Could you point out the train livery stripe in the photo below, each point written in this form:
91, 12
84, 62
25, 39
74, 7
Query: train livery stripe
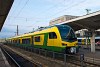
45, 39
51, 48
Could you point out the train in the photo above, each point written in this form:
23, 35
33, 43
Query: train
57, 38
82, 40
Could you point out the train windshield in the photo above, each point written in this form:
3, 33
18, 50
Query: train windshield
67, 34
71, 36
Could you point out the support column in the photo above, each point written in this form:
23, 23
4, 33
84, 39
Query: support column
86, 41
93, 42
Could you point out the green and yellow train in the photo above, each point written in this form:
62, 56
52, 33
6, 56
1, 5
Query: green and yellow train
59, 38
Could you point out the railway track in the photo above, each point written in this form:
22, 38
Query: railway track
16, 60
10, 59
83, 63
72, 59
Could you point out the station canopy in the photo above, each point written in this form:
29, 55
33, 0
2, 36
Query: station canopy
90, 21
5, 6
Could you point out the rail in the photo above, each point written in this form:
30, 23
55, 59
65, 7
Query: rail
18, 60
78, 59
11, 57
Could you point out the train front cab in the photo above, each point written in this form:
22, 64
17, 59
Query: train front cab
69, 39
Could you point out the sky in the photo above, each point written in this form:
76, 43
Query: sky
31, 14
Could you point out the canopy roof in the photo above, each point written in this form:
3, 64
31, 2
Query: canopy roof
5, 6
90, 21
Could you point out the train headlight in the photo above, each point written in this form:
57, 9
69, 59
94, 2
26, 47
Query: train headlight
73, 50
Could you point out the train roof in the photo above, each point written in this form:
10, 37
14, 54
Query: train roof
47, 29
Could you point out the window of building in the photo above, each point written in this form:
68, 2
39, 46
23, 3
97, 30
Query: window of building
52, 35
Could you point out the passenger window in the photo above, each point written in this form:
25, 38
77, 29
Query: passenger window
19, 41
26, 41
52, 35
37, 39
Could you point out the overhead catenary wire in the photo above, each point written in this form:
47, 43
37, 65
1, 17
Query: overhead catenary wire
40, 12
72, 6
32, 18
57, 13
56, 6
68, 7
16, 7
52, 15
22, 8
24, 18
50, 8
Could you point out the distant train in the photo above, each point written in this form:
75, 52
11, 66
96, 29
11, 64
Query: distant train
59, 38
82, 41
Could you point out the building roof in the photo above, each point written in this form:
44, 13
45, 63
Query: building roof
90, 21
5, 6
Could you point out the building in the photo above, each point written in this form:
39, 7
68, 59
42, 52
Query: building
61, 19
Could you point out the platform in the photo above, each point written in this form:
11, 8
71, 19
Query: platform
97, 47
88, 55
3, 61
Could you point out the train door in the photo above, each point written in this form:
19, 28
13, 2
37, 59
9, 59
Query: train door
52, 39
45, 39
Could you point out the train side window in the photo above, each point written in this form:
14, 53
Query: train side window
26, 41
18, 41
37, 39
52, 35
